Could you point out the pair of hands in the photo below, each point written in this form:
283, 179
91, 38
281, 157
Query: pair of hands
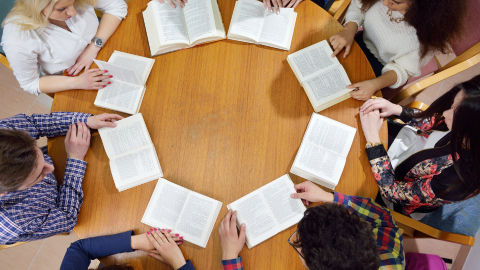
372, 114
277, 4
78, 136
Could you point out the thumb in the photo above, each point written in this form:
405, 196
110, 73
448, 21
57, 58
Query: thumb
242, 233
347, 51
298, 195
352, 86
111, 124
156, 256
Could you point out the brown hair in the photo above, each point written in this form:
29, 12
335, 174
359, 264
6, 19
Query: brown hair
18, 158
117, 267
438, 22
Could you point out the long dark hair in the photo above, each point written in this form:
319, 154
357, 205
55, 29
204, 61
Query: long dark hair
465, 132
438, 22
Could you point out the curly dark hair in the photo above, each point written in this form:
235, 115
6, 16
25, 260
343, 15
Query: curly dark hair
117, 267
330, 237
438, 22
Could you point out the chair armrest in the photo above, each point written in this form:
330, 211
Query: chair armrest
340, 14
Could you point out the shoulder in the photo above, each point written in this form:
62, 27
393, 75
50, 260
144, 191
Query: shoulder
13, 34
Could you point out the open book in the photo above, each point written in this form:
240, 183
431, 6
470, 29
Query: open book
253, 23
323, 152
130, 73
183, 211
133, 159
268, 210
323, 78
170, 29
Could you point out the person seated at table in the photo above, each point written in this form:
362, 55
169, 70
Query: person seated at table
399, 37
59, 35
277, 4
32, 205
431, 159
345, 232
160, 244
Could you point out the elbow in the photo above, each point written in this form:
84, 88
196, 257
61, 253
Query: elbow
402, 75
32, 87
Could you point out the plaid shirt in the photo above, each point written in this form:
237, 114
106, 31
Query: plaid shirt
388, 235
44, 209
234, 264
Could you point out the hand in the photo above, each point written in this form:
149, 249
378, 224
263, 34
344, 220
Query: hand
84, 60
92, 79
371, 125
309, 192
141, 242
77, 141
167, 250
344, 39
231, 243
181, 2
363, 90
292, 4
385, 107
103, 120
276, 3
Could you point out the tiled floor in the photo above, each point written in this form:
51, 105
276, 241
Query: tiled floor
48, 253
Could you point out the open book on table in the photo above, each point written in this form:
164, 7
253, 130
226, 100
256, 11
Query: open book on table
170, 29
253, 23
323, 78
268, 210
133, 159
183, 211
323, 152
130, 73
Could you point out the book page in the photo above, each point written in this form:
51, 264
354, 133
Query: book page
200, 19
130, 133
165, 206
287, 211
120, 73
142, 65
315, 58
170, 22
120, 96
195, 222
327, 85
247, 19
276, 28
135, 166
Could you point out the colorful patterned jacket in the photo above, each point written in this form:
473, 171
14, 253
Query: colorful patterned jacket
418, 183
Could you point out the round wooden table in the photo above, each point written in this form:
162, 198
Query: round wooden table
226, 118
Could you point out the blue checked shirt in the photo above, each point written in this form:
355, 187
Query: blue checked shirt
44, 209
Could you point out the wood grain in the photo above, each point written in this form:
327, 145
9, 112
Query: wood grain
226, 118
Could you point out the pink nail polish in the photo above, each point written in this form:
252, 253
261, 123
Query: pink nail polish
148, 232
181, 242
155, 229
109, 82
176, 234
169, 230
163, 230
181, 237
149, 255
111, 76
151, 229
106, 71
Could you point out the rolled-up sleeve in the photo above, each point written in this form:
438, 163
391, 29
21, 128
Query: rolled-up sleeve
21, 49
354, 13
407, 66
117, 8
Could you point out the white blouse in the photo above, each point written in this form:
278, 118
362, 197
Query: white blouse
395, 45
54, 48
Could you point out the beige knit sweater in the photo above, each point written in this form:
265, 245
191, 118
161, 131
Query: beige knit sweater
395, 45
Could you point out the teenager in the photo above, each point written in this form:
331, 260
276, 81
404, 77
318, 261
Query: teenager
345, 232
32, 204
399, 37
58, 36
432, 159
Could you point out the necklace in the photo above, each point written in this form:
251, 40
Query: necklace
397, 20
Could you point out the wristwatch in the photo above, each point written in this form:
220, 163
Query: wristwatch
369, 144
98, 42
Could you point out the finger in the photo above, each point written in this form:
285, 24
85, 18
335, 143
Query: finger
353, 86
156, 256
69, 133
296, 4
159, 234
384, 114
337, 50
298, 195
371, 108
275, 4
243, 228
74, 131
97, 74
168, 237
152, 240
269, 5
233, 223
290, 5
161, 1
74, 69
96, 69
172, 4
181, 3
100, 84
301, 186
80, 130
86, 131
265, 3
347, 51
226, 221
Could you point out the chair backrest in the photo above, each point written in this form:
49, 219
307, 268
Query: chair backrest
342, 10
7, 5
12, 245
4, 61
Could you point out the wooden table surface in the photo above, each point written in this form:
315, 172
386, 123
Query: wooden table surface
226, 118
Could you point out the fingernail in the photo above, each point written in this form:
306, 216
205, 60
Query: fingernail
292, 196
181, 237
149, 255
151, 229
176, 234
155, 229
148, 232
111, 76
163, 230
114, 125
181, 242
243, 225
106, 71
72, 75
109, 82
169, 230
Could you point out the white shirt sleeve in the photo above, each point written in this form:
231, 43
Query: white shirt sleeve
117, 8
354, 13
22, 50
407, 66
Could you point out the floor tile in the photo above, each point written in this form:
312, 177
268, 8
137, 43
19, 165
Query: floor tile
38, 107
441, 248
45, 100
52, 252
7, 76
445, 58
9, 258
13, 101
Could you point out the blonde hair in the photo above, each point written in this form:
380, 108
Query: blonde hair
28, 13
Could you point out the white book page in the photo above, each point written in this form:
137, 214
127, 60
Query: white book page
313, 59
133, 167
130, 133
200, 19
120, 96
253, 210
142, 65
287, 211
247, 19
327, 85
120, 73
195, 222
276, 28
165, 206
218, 19
170, 23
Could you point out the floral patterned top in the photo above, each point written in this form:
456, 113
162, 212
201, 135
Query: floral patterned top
418, 184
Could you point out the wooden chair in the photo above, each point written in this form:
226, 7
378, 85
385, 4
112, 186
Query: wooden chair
341, 11
2, 247
463, 62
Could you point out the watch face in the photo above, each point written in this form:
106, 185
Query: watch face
98, 42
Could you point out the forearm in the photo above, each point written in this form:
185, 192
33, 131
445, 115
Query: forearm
386, 79
108, 25
56, 83
351, 28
